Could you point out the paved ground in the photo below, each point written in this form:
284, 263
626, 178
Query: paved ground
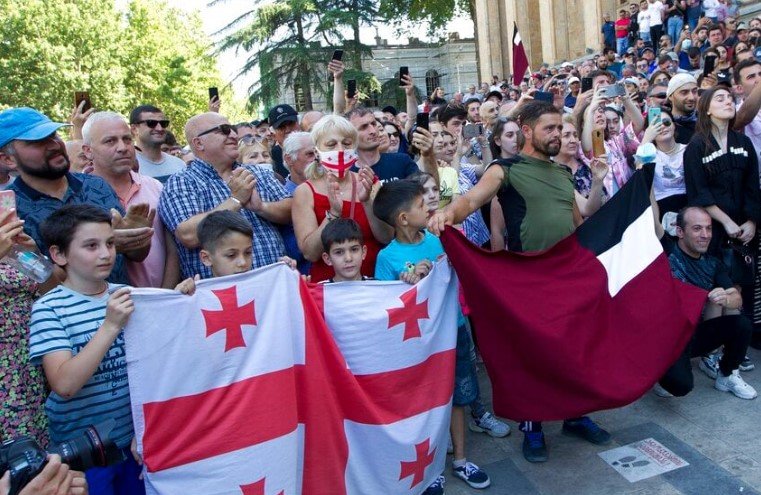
717, 435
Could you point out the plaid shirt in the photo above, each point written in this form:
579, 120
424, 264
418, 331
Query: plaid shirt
198, 189
34, 207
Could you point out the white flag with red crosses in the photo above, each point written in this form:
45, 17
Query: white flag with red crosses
243, 388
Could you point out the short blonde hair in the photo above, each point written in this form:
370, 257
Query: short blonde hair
331, 125
262, 145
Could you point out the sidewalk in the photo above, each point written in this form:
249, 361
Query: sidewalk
714, 436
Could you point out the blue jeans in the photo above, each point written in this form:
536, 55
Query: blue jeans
621, 45
674, 28
645, 35
119, 479
693, 15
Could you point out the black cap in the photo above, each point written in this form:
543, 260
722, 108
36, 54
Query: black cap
724, 77
390, 109
498, 94
281, 114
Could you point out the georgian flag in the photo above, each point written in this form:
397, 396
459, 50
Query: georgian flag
243, 389
589, 324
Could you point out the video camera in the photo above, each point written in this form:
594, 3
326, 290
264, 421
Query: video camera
24, 458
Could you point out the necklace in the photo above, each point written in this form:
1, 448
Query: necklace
673, 149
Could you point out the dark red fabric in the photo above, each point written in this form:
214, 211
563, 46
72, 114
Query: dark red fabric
520, 60
556, 345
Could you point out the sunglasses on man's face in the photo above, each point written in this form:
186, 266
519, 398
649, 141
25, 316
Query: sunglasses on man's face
225, 129
393, 134
658, 95
153, 123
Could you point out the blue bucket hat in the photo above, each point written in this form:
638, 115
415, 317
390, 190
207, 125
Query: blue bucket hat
25, 123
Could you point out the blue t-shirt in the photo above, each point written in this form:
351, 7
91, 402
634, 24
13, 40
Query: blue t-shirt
393, 166
394, 258
65, 320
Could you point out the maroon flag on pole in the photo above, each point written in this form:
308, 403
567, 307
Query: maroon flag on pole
520, 60
589, 324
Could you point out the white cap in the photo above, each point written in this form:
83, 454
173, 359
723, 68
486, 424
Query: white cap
678, 81
573, 79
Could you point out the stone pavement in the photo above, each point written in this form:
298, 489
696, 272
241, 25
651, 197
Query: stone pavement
715, 436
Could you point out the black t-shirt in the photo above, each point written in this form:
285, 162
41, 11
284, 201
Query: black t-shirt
277, 160
706, 272
684, 130
393, 166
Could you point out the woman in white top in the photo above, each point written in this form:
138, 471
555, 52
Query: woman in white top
668, 183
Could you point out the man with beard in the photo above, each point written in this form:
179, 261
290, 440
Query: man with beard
30, 144
386, 166
682, 92
537, 200
149, 126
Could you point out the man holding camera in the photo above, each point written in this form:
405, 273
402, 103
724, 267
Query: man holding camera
54, 479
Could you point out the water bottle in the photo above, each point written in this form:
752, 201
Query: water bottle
31, 264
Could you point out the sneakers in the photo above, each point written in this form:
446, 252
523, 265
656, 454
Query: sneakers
661, 392
472, 475
437, 487
587, 429
490, 425
710, 365
534, 446
747, 364
735, 384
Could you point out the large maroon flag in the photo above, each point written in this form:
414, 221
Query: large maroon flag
520, 60
590, 324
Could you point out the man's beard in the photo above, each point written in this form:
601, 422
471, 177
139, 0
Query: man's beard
548, 148
46, 171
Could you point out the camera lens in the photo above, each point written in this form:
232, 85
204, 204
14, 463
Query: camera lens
94, 448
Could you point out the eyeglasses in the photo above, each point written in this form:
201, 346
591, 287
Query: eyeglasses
658, 95
665, 122
249, 139
393, 134
225, 129
153, 123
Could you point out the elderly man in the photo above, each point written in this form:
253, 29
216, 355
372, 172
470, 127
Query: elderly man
309, 119
215, 181
298, 154
77, 158
29, 143
109, 145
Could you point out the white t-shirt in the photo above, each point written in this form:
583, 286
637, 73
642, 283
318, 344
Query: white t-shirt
643, 19
160, 170
753, 131
669, 174
655, 10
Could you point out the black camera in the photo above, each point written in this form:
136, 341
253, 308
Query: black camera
24, 458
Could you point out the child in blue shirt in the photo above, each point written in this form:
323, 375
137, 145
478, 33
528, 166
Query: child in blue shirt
410, 257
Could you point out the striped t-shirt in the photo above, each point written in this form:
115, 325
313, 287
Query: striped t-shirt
65, 320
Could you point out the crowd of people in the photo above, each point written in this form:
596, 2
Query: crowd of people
355, 193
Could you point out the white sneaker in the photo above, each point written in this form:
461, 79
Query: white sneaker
735, 384
660, 391
490, 425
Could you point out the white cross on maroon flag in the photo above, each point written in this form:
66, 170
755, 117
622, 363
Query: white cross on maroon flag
243, 388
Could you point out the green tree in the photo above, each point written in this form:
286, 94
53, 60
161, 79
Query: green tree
436, 13
51, 49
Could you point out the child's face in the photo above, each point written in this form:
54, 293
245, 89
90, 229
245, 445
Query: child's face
431, 195
417, 215
90, 255
346, 259
232, 254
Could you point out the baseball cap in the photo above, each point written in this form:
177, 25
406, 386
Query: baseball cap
566, 65
573, 79
390, 109
741, 27
25, 123
678, 81
724, 77
281, 114
498, 94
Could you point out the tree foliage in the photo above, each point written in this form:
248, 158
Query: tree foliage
435, 14
144, 53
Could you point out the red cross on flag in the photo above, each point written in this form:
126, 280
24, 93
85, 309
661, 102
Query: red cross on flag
244, 389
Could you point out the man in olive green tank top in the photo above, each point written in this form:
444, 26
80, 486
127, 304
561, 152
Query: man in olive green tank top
537, 199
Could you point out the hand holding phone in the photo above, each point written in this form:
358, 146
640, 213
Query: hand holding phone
79, 97
586, 84
351, 90
653, 115
422, 120
598, 143
403, 71
544, 96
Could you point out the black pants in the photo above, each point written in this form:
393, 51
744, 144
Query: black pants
655, 35
733, 332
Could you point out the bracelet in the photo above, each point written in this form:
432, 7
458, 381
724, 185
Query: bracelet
329, 215
237, 201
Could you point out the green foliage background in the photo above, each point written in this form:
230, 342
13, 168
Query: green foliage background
146, 53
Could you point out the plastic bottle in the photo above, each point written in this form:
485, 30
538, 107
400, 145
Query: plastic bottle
31, 264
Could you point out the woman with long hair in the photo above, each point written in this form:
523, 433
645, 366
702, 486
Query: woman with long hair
668, 183
721, 175
331, 191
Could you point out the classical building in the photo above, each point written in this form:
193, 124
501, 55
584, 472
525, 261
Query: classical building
552, 30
